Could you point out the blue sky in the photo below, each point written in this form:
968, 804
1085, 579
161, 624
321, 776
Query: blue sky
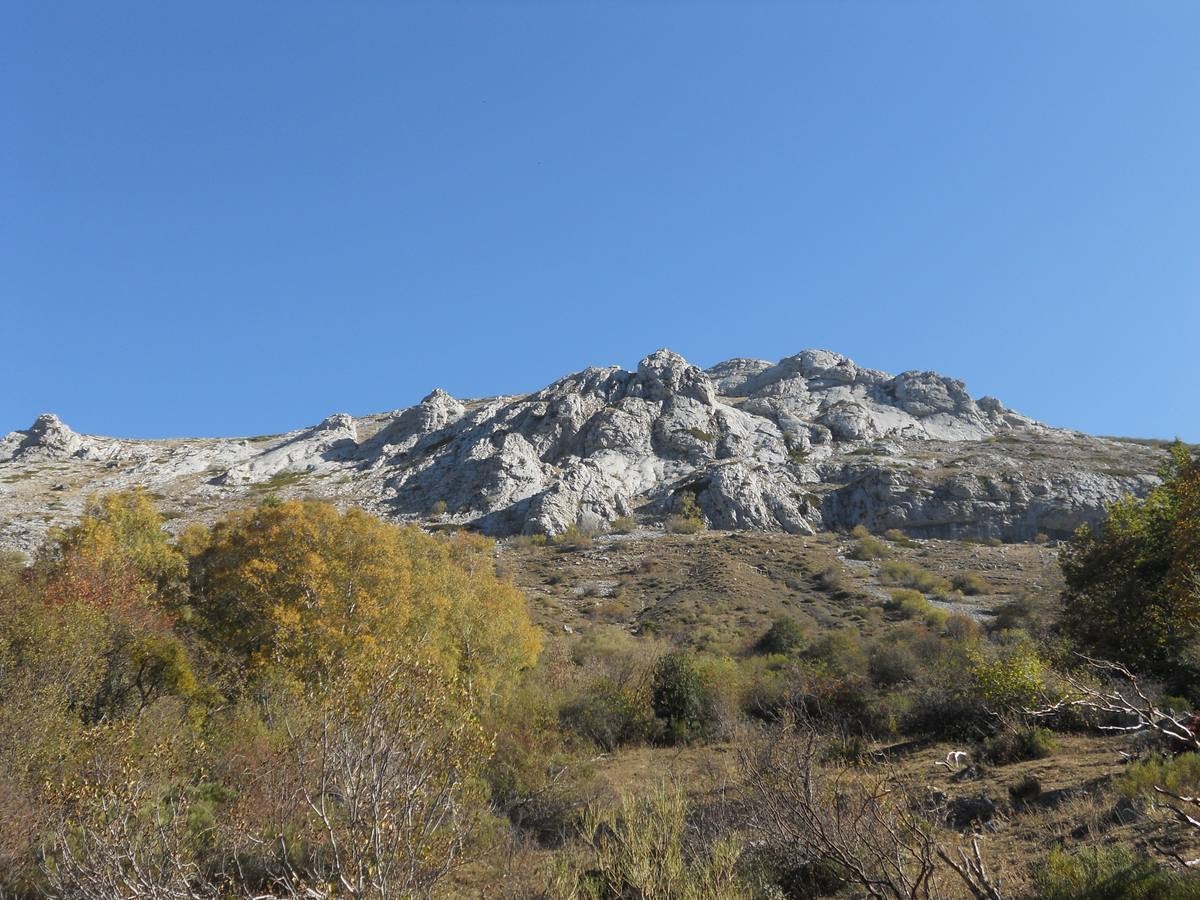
237, 218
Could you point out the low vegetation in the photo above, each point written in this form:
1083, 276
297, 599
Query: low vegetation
303, 702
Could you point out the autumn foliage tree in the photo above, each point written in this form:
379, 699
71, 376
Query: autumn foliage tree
287, 702
303, 589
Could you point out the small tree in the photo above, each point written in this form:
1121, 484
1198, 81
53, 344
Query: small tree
1133, 585
687, 518
677, 694
784, 636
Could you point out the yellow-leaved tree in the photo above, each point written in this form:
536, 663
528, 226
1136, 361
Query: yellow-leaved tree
302, 589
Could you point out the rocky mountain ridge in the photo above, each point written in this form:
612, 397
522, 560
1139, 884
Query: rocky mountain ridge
810, 442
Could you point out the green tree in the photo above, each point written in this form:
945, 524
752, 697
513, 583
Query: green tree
784, 636
677, 694
1132, 590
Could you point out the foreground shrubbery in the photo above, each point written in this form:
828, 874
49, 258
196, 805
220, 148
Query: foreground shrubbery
299, 701
291, 699
1111, 873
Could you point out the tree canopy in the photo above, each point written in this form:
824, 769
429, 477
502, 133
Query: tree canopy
1133, 584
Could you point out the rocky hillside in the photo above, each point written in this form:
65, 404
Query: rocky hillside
808, 443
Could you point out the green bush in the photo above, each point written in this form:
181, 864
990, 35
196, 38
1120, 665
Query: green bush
623, 525
913, 605
683, 525
646, 847
1014, 613
892, 664
971, 583
1131, 588
575, 537
840, 653
784, 636
831, 575
1178, 774
611, 714
868, 548
687, 518
1018, 744
1110, 873
905, 574
896, 536
1015, 679
677, 694
764, 686
1025, 791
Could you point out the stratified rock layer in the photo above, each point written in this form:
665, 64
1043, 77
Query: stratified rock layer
810, 442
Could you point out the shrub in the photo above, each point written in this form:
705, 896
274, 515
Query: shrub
682, 525
1013, 680
839, 653
1179, 774
892, 664
645, 848
1013, 613
1110, 873
913, 605
575, 537
962, 627
910, 575
687, 518
847, 702
529, 540
677, 695
971, 583
867, 548
896, 536
1018, 744
784, 636
623, 525
1027, 790
764, 686
831, 576
611, 714
299, 586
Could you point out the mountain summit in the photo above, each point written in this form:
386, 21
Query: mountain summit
810, 442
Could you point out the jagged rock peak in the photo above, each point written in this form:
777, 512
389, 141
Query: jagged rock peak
438, 396
339, 422
664, 374
48, 430
810, 441
48, 435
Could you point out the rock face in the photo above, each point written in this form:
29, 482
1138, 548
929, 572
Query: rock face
48, 437
810, 442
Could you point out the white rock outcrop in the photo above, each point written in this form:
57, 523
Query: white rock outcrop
809, 442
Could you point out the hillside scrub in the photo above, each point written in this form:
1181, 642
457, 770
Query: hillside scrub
910, 575
184, 711
242, 664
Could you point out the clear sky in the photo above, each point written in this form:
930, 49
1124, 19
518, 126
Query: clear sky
236, 218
